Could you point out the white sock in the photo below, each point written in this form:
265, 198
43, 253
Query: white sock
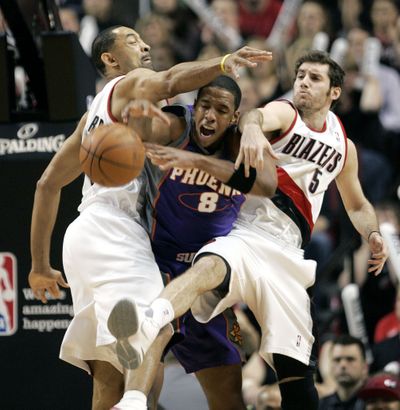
161, 312
132, 399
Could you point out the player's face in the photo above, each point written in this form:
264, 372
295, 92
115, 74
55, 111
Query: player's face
312, 90
348, 365
213, 113
130, 50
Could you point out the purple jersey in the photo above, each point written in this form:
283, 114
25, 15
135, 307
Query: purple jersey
184, 209
192, 207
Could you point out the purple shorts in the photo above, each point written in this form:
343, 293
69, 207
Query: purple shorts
205, 345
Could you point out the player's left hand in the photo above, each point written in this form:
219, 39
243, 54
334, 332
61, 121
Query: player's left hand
379, 253
245, 57
253, 145
143, 108
167, 157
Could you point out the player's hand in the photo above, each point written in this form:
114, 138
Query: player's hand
253, 145
167, 157
48, 280
143, 108
379, 253
245, 57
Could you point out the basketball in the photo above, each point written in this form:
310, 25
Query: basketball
112, 155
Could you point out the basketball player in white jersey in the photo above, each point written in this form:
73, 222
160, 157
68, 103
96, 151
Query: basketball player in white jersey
106, 253
261, 261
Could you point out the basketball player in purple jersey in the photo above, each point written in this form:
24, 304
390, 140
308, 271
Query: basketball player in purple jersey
106, 252
261, 259
188, 206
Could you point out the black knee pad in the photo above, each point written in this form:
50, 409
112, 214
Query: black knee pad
298, 394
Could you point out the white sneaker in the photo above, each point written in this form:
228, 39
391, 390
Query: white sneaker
134, 331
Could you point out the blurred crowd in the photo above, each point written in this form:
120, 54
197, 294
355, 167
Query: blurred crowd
364, 37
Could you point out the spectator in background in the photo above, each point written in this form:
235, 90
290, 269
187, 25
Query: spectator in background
369, 108
386, 353
381, 392
350, 13
162, 57
155, 29
185, 30
389, 325
228, 13
312, 19
384, 15
97, 16
69, 19
349, 371
267, 79
257, 17
250, 94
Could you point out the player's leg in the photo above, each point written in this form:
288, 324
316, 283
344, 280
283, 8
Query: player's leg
296, 384
223, 387
143, 385
135, 329
108, 385
206, 274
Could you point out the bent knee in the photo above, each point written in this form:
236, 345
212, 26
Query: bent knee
211, 264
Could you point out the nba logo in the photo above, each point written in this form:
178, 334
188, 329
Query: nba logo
8, 294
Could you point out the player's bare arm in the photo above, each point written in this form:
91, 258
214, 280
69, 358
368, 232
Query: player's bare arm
184, 77
151, 123
166, 158
62, 170
256, 126
360, 211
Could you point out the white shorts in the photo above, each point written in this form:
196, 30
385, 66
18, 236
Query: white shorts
107, 256
272, 278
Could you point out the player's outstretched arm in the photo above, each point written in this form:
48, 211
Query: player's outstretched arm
360, 211
184, 77
263, 184
151, 123
63, 169
255, 126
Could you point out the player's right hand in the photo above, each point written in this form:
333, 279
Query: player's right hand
143, 108
245, 57
167, 158
48, 280
253, 145
379, 253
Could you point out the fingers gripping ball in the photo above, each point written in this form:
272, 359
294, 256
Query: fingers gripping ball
112, 155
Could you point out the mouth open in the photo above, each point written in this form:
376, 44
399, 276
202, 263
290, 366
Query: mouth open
206, 133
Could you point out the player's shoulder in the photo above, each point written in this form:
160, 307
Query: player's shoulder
282, 107
132, 80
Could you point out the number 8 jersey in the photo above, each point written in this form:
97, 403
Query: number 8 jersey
186, 208
308, 161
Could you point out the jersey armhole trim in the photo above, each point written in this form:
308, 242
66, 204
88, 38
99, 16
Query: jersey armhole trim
345, 141
109, 111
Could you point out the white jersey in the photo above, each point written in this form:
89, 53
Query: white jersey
308, 161
125, 196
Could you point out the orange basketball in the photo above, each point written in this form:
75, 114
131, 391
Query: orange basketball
112, 155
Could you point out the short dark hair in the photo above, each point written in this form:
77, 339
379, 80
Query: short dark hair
103, 42
346, 340
336, 73
227, 83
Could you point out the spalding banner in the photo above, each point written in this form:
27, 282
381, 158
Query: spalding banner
34, 377
32, 137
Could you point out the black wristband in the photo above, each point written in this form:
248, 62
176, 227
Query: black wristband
372, 233
240, 182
